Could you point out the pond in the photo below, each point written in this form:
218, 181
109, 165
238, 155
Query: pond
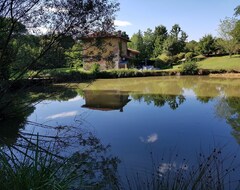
148, 122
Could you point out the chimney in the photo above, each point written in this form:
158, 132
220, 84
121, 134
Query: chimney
119, 33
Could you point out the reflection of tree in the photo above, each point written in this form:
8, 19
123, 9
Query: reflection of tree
13, 116
160, 100
229, 109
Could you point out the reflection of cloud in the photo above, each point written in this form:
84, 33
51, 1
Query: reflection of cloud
150, 139
122, 23
167, 167
63, 115
76, 99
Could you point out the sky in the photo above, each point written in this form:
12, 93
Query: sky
196, 17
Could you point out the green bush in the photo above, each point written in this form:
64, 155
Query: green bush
95, 68
158, 63
189, 68
189, 56
180, 56
165, 58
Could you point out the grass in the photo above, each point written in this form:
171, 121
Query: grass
42, 170
221, 63
34, 170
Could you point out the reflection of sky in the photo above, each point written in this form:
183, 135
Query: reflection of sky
76, 99
150, 139
189, 93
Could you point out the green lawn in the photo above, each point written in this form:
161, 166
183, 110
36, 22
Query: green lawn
221, 63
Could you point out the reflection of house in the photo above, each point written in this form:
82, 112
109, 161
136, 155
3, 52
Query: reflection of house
108, 50
105, 100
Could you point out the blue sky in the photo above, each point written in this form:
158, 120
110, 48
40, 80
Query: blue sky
195, 17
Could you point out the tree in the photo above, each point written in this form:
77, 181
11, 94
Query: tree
57, 18
236, 31
176, 41
53, 20
74, 55
160, 35
225, 30
237, 11
192, 46
148, 41
137, 44
206, 45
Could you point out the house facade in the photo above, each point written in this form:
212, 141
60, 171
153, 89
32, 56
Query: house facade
110, 51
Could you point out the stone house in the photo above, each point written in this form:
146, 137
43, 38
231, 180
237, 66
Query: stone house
110, 51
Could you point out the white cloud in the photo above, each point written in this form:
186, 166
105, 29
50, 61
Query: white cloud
122, 23
63, 115
150, 139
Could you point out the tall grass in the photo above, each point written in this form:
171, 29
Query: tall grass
212, 172
33, 169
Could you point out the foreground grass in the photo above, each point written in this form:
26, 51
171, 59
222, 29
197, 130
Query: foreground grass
42, 171
221, 63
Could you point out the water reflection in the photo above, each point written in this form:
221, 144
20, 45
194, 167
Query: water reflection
174, 101
17, 108
105, 100
146, 119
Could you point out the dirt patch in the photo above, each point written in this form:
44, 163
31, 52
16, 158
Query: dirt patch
226, 75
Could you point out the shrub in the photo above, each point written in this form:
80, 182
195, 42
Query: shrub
165, 58
95, 68
189, 56
180, 56
189, 68
158, 63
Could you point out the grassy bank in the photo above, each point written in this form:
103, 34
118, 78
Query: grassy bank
221, 63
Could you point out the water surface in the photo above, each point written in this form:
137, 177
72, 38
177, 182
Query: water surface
146, 119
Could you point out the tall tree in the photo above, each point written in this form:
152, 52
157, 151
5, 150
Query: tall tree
138, 44
225, 30
148, 41
206, 45
176, 41
160, 35
192, 46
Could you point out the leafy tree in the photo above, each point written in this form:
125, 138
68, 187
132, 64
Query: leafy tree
138, 44
192, 46
236, 31
237, 10
74, 55
206, 45
176, 41
160, 35
148, 41
226, 28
